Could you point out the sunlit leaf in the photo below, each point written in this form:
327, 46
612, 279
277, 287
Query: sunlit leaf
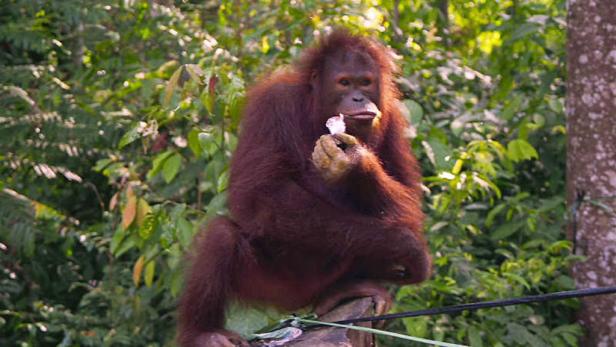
265, 47
147, 226
488, 40
130, 209
519, 150
167, 67
143, 208
457, 167
114, 201
148, 276
416, 326
193, 142
517, 278
137, 269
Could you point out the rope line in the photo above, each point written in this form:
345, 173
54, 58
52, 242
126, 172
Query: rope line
488, 304
380, 332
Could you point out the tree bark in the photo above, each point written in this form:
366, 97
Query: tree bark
591, 159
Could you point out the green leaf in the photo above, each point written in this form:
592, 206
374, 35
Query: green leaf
474, 337
519, 150
143, 209
521, 335
102, 164
193, 142
184, 232
171, 167
208, 100
177, 281
564, 282
126, 244
216, 205
416, 326
511, 107
148, 276
493, 213
172, 85
116, 241
524, 30
157, 164
438, 153
551, 203
147, 227
506, 230
517, 278
569, 328
245, 320
223, 181
571, 339
208, 142
415, 111
28, 242
235, 110
131, 135
556, 105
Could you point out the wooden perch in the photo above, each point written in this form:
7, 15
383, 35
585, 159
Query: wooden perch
338, 337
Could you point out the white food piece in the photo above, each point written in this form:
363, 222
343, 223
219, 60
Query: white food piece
336, 125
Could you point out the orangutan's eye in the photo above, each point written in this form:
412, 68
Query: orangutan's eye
344, 82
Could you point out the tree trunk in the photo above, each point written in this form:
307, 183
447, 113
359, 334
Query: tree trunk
591, 159
443, 21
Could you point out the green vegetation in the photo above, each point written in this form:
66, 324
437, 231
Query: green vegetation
119, 118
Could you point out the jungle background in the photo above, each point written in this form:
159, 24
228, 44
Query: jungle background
118, 119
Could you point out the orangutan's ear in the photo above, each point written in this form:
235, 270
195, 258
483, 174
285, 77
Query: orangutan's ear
314, 79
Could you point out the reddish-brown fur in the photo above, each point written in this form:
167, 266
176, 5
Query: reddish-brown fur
291, 236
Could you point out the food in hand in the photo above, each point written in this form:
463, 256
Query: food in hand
336, 124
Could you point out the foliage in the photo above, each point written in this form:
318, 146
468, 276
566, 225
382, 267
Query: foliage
120, 118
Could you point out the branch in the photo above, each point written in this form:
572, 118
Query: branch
337, 337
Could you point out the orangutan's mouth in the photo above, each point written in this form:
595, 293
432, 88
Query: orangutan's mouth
361, 115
